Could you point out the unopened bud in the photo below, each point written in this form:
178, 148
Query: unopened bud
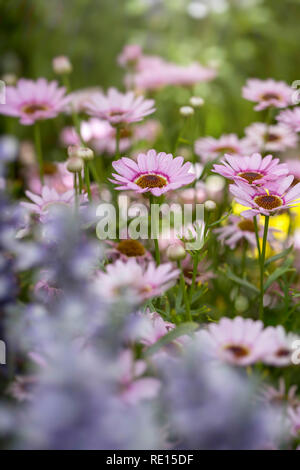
9, 79
72, 151
61, 65
186, 111
210, 205
74, 165
196, 101
176, 252
85, 153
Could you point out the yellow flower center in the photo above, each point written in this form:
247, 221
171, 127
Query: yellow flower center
246, 225
268, 201
131, 248
151, 181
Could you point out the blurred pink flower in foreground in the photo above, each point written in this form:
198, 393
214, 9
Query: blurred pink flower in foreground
34, 100
282, 354
276, 196
253, 169
239, 341
134, 280
268, 93
153, 172
133, 386
119, 108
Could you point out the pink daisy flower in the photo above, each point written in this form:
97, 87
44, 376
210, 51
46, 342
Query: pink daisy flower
209, 148
281, 356
154, 328
294, 169
137, 281
281, 395
153, 172
118, 108
41, 205
240, 229
291, 118
252, 170
276, 138
294, 415
267, 93
130, 55
277, 196
79, 99
239, 341
133, 386
31, 101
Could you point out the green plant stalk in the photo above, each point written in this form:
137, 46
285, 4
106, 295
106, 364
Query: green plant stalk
75, 191
80, 182
184, 293
262, 267
257, 236
118, 135
87, 179
195, 268
156, 245
38, 148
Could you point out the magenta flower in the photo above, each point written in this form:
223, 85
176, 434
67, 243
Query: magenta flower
268, 93
291, 118
32, 101
252, 170
239, 341
118, 108
209, 148
239, 229
277, 196
276, 138
153, 172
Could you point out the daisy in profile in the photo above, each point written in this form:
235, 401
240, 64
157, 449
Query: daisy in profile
270, 138
252, 170
239, 341
153, 172
135, 281
34, 100
267, 93
42, 204
239, 229
276, 196
119, 109
209, 148
282, 354
291, 118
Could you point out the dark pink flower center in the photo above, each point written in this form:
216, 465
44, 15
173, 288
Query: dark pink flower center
270, 96
268, 201
151, 181
250, 176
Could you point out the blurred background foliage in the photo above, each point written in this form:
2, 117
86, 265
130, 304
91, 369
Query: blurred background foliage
246, 38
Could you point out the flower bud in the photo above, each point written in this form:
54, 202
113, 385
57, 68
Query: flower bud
61, 65
210, 205
196, 101
72, 151
74, 165
186, 111
9, 79
176, 252
85, 153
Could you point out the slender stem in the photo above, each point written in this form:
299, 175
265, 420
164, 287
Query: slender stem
118, 135
75, 191
38, 148
262, 267
195, 268
257, 236
156, 245
87, 179
244, 257
184, 293
80, 182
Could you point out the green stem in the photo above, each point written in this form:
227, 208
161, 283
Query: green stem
184, 293
244, 257
80, 182
195, 268
76, 191
257, 236
118, 135
87, 180
38, 148
262, 267
156, 246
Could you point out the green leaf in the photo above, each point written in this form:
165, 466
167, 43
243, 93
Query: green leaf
217, 222
278, 273
241, 281
183, 329
280, 255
